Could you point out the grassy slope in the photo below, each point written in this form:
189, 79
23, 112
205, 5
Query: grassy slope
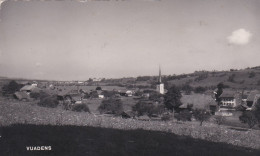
73, 140
214, 79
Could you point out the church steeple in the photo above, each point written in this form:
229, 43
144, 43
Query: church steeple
160, 85
160, 76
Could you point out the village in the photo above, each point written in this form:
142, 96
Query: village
227, 103
218, 114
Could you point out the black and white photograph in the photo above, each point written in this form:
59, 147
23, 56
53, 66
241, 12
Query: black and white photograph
129, 78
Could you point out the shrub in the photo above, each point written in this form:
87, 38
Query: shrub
35, 95
11, 88
201, 115
258, 82
251, 74
145, 108
231, 78
187, 89
80, 108
111, 105
166, 117
249, 118
93, 94
49, 101
199, 89
109, 93
143, 78
184, 115
155, 96
98, 88
203, 75
220, 119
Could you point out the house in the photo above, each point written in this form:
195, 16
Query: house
100, 96
229, 100
70, 96
127, 93
29, 88
22, 96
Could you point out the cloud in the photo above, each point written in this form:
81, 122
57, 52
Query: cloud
239, 37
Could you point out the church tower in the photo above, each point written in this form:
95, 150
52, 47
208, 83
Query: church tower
160, 85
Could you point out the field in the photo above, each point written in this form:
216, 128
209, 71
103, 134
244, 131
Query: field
78, 140
15, 112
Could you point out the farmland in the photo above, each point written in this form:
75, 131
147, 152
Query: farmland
14, 112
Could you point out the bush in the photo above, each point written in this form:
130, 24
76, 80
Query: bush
143, 78
220, 119
11, 88
231, 78
111, 105
184, 115
93, 94
166, 117
155, 96
35, 95
251, 74
50, 101
80, 108
145, 108
249, 118
98, 88
258, 82
109, 93
203, 75
187, 89
199, 89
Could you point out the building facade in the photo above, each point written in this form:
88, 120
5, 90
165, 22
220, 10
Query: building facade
160, 85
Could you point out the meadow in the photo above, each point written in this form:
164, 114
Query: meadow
16, 112
94, 141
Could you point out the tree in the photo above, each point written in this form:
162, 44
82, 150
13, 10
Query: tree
219, 92
155, 96
109, 94
201, 115
183, 116
172, 99
249, 118
145, 108
50, 101
187, 89
257, 110
98, 88
93, 94
11, 88
81, 108
111, 105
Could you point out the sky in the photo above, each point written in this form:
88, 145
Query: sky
72, 40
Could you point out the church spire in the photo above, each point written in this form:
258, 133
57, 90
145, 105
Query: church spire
160, 76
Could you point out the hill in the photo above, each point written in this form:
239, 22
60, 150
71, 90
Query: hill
248, 78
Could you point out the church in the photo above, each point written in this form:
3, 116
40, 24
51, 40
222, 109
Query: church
160, 85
